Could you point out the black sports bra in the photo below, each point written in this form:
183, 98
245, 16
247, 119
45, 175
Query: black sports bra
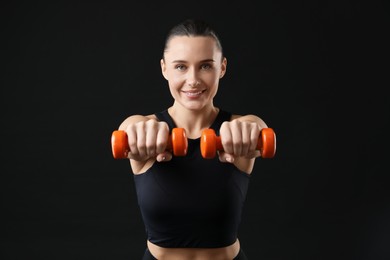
192, 202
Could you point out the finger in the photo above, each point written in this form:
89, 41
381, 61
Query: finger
253, 154
245, 140
164, 157
162, 138
141, 141
237, 139
226, 138
132, 140
225, 157
254, 136
150, 143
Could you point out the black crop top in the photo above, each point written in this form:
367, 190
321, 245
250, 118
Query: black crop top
191, 201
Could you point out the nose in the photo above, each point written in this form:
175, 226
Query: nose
193, 80
194, 83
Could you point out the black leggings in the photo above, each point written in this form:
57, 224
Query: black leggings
148, 256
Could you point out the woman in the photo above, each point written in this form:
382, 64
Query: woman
192, 206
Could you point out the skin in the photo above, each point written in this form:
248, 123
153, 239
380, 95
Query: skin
193, 67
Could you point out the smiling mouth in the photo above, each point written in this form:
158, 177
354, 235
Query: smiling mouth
193, 93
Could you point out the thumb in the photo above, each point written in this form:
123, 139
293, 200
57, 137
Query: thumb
164, 156
226, 157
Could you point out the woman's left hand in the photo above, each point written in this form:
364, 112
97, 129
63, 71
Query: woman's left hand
239, 139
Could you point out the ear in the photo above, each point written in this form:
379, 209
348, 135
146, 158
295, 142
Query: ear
223, 68
163, 69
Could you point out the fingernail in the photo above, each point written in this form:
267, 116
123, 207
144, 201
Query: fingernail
229, 159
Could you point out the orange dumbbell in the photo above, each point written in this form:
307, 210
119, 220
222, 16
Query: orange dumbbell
177, 143
210, 143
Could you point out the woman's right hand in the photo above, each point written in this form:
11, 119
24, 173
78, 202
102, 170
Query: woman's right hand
148, 139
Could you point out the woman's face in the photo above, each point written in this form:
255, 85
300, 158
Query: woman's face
193, 67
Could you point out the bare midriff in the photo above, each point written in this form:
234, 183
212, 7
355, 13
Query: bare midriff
222, 253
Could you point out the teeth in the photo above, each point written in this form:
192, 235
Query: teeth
193, 93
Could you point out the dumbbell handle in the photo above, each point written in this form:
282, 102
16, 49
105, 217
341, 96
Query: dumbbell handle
177, 142
210, 143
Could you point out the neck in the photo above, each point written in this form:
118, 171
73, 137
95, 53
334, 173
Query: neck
193, 121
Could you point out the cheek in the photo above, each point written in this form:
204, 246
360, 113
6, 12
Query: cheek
174, 78
175, 83
213, 80
174, 86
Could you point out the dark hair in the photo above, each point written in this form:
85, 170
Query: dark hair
193, 27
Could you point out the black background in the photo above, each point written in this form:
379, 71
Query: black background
315, 71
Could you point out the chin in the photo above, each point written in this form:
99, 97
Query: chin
194, 107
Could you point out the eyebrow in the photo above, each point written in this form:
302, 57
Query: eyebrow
202, 61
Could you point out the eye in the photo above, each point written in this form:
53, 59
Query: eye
206, 66
180, 67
